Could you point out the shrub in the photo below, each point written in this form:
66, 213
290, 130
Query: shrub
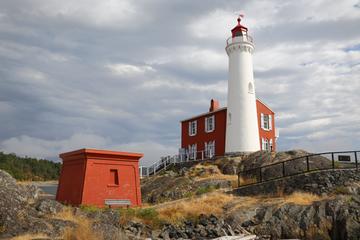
341, 190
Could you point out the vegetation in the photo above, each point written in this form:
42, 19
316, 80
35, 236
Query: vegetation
27, 169
147, 215
179, 211
83, 226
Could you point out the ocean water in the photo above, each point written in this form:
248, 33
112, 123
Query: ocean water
49, 189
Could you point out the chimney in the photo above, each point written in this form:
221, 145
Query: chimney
214, 105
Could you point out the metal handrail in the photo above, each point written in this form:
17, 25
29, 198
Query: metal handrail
165, 162
305, 157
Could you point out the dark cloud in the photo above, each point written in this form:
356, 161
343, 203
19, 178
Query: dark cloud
121, 74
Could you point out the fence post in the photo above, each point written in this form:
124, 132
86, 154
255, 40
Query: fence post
283, 169
239, 179
356, 161
307, 164
333, 160
202, 155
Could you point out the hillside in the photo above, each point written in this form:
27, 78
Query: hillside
194, 201
26, 168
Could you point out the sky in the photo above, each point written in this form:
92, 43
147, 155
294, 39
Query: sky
121, 74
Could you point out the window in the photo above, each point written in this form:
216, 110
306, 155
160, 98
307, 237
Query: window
192, 151
210, 149
266, 144
192, 128
114, 177
251, 88
266, 121
210, 123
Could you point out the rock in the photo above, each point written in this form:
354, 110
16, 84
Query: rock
48, 206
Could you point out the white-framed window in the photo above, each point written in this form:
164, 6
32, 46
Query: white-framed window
210, 149
192, 151
192, 128
266, 121
210, 123
266, 144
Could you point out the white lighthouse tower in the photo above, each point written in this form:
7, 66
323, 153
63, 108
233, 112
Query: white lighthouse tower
242, 132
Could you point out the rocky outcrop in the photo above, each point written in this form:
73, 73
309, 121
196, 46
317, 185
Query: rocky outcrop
314, 182
22, 211
184, 183
328, 219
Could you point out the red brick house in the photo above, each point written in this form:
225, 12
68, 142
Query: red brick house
204, 135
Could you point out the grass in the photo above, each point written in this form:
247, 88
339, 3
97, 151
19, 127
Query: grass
302, 198
179, 211
147, 215
83, 229
90, 208
30, 236
207, 172
341, 190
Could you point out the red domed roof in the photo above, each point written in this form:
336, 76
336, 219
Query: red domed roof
238, 28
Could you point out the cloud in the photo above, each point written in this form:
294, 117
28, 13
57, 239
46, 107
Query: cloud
123, 73
42, 148
110, 13
128, 70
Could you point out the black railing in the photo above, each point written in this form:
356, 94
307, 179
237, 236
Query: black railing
299, 165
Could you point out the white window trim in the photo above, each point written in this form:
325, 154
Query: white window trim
210, 149
262, 119
192, 151
207, 124
191, 133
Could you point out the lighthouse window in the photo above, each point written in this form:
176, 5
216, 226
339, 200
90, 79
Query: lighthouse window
210, 124
251, 87
192, 128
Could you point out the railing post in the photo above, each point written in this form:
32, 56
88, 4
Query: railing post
260, 174
283, 168
356, 161
307, 164
333, 160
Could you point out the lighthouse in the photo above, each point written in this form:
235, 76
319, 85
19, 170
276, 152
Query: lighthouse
242, 132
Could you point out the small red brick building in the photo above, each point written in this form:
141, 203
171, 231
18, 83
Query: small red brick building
205, 134
99, 177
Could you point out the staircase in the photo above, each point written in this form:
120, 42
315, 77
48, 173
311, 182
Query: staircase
165, 162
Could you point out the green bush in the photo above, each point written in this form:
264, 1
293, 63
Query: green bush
206, 189
90, 208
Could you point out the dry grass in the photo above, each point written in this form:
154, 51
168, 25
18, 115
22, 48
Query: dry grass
248, 180
30, 236
83, 229
302, 198
191, 208
208, 172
